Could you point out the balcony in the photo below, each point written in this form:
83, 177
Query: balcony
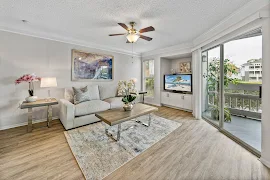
244, 105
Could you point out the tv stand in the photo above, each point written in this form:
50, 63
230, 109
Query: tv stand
177, 100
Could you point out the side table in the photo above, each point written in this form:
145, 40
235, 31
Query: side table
141, 93
39, 103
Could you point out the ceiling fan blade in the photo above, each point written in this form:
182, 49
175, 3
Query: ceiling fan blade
117, 34
127, 41
146, 38
150, 28
124, 26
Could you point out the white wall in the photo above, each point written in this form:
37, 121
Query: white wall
21, 54
165, 68
265, 94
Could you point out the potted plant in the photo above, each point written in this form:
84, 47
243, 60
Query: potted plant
215, 113
30, 79
128, 98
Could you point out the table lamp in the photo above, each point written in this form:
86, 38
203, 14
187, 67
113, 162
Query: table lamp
48, 82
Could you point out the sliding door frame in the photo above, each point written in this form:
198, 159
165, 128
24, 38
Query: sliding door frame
221, 104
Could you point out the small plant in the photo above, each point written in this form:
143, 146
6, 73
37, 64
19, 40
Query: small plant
128, 99
215, 113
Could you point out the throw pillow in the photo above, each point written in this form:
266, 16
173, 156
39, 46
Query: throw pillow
81, 95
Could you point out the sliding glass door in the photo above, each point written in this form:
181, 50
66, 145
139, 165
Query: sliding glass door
231, 83
242, 82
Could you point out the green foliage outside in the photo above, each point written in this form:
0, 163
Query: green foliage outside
149, 86
213, 84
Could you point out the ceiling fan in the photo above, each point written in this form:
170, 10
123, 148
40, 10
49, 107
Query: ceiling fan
132, 34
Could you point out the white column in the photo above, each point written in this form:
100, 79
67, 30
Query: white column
196, 83
265, 158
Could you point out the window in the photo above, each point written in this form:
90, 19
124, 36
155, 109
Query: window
148, 74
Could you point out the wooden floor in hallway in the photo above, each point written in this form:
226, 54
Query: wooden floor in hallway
196, 150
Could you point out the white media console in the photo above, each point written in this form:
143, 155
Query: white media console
177, 100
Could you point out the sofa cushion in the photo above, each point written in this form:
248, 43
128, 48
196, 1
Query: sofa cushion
90, 107
93, 93
81, 95
107, 91
115, 102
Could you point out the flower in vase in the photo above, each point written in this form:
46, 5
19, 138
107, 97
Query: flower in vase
28, 78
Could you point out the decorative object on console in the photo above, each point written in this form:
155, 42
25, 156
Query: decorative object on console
173, 71
185, 67
30, 79
91, 66
48, 82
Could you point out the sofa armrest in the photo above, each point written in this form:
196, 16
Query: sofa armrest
67, 110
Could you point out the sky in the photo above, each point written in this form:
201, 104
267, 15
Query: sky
239, 51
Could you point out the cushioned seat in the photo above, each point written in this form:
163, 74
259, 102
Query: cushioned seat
90, 107
115, 102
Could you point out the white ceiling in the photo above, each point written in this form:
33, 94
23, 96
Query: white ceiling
175, 21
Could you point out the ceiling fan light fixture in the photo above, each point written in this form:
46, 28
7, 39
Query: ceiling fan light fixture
132, 37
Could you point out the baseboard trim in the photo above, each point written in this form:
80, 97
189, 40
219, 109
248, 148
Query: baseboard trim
188, 110
25, 123
265, 162
155, 104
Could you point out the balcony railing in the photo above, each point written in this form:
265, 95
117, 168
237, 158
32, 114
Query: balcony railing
245, 102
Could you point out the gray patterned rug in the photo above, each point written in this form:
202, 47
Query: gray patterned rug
99, 155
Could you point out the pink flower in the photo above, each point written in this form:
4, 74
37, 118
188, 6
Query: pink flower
27, 78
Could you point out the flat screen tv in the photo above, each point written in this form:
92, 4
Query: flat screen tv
178, 82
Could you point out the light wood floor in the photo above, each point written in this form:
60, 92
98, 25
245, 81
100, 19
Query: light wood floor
196, 150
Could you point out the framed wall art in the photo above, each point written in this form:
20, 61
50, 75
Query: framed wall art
91, 66
185, 67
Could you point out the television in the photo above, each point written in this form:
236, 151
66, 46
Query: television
178, 82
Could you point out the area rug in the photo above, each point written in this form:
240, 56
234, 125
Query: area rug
98, 155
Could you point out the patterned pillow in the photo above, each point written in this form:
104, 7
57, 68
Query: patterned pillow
81, 95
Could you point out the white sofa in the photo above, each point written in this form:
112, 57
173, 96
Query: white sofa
102, 98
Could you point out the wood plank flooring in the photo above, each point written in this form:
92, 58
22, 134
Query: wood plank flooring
196, 150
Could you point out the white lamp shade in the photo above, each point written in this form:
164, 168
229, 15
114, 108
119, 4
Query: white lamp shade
132, 37
48, 82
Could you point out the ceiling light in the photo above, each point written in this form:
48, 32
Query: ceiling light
132, 37
24, 21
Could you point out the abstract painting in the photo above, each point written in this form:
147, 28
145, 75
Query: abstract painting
91, 66
185, 67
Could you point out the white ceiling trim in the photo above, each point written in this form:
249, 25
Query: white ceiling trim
70, 40
170, 51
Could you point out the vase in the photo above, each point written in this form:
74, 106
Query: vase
31, 98
128, 107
